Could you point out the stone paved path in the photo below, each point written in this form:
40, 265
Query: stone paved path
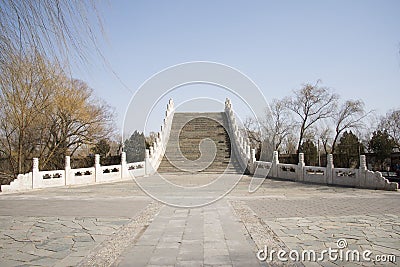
117, 224
52, 241
205, 236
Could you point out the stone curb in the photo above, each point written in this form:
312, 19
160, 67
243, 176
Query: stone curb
260, 232
106, 253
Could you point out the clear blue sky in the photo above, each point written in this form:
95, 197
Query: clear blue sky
352, 46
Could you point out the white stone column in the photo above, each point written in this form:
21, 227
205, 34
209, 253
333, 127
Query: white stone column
300, 168
227, 104
275, 158
362, 172
97, 169
36, 180
329, 169
67, 176
124, 166
363, 163
252, 162
253, 155
147, 164
275, 162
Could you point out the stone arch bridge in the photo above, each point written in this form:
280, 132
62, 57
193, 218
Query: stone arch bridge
201, 143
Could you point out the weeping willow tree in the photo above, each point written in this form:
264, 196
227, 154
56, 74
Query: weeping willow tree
58, 29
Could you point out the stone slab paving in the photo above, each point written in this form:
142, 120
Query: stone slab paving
207, 236
365, 219
108, 251
117, 224
61, 226
52, 241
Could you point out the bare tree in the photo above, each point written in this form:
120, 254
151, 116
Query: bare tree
271, 131
252, 129
75, 118
278, 123
325, 136
311, 103
366, 132
391, 123
289, 144
348, 116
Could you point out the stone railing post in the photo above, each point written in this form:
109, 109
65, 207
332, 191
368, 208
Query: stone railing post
147, 163
329, 169
68, 170
171, 104
253, 155
248, 154
97, 168
36, 180
300, 168
362, 172
252, 163
275, 162
227, 104
124, 166
363, 163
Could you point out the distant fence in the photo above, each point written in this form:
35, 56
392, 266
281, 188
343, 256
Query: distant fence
329, 175
81, 176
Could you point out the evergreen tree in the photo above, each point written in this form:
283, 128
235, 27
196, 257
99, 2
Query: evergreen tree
103, 149
310, 152
135, 147
382, 145
348, 151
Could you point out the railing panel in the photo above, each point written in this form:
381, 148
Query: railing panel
345, 176
375, 180
23, 182
313, 174
110, 173
287, 171
136, 169
82, 176
50, 179
262, 169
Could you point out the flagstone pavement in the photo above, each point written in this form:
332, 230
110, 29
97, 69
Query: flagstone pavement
117, 224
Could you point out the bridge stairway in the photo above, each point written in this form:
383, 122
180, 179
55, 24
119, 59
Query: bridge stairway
187, 131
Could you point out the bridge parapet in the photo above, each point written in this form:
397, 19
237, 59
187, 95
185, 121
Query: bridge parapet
329, 175
156, 152
80, 176
240, 143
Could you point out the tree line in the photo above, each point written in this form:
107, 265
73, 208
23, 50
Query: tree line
315, 120
44, 112
47, 114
